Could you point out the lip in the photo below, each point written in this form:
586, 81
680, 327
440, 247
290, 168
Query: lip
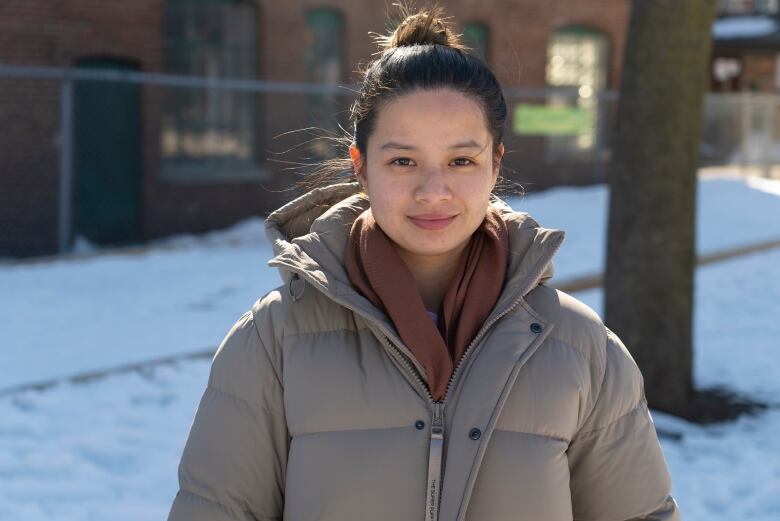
432, 221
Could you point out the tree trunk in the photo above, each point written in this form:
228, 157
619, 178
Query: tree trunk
652, 175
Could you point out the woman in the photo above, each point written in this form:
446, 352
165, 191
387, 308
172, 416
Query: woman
415, 365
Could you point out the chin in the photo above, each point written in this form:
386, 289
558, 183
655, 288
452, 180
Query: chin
424, 248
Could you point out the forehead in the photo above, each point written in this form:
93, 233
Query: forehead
430, 117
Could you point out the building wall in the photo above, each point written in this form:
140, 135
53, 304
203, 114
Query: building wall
520, 30
56, 33
60, 32
759, 72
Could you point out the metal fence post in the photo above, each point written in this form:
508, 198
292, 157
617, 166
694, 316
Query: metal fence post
768, 142
66, 164
771, 106
744, 135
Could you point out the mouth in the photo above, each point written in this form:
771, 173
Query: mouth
432, 221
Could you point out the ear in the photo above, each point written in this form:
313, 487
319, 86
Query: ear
358, 164
499, 155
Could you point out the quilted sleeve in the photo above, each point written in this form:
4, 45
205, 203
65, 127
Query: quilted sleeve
617, 467
233, 464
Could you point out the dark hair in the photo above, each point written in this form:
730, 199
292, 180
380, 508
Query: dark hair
421, 53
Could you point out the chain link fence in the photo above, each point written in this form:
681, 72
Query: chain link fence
741, 133
104, 154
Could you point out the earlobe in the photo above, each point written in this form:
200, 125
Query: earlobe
499, 155
360, 178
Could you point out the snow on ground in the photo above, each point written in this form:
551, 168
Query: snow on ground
108, 449
184, 293
731, 212
743, 27
105, 450
63, 317
736, 306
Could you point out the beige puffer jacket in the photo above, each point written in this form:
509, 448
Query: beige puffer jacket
315, 410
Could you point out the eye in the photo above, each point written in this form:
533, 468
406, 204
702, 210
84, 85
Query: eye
401, 161
468, 162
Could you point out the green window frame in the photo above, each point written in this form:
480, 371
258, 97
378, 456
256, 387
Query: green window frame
324, 54
324, 62
476, 37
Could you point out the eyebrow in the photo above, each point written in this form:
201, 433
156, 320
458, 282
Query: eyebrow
465, 144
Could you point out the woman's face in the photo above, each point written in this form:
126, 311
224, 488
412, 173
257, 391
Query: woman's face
429, 172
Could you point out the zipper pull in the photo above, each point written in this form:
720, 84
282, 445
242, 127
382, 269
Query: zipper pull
433, 492
437, 427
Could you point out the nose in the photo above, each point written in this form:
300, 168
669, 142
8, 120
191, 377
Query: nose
433, 187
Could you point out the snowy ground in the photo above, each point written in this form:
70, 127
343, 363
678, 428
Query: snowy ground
108, 449
116, 309
731, 471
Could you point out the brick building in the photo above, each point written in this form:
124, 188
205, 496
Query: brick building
746, 46
151, 160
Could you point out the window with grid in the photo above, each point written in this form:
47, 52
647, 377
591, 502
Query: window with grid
577, 58
210, 134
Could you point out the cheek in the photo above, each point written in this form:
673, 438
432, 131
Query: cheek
476, 190
387, 198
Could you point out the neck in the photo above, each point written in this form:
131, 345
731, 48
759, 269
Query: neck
432, 274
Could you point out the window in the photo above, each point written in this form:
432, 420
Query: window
736, 6
747, 7
577, 58
324, 57
324, 46
475, 36
208, 134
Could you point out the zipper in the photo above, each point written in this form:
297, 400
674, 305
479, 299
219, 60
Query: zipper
436, 446
433, 492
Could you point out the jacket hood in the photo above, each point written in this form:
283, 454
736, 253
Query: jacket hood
309, 235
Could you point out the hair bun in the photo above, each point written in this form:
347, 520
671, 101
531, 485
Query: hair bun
425, 27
